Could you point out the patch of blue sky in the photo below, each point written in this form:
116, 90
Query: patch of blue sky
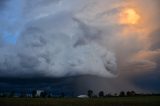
10, 38
13, 22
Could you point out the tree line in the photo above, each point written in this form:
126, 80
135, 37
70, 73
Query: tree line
90, 94
101, 94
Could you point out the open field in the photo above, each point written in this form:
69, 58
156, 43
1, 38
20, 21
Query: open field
111, 101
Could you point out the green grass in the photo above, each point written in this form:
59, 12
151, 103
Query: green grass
111, 101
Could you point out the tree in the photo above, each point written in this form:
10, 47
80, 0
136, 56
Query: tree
101, 94
90, 93
34, 93
131, 93
122, 93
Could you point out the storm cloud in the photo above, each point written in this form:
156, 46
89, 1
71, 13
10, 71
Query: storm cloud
61, 38
54, 45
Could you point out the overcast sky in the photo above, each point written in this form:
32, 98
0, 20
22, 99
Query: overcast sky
102, 44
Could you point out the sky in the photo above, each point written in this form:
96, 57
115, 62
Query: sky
109, 45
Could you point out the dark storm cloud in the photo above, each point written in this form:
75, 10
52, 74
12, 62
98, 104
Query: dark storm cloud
149, 81
38, 80
59, 38
140, 72
45, 45
56, 86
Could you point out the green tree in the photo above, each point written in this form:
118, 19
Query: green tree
101, 94
122, 93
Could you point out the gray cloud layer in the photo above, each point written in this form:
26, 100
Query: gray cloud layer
58, 38
53, 45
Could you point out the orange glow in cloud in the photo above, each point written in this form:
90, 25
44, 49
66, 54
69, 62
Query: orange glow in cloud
129, 16
133, 18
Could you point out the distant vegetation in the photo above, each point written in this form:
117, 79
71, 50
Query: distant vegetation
48, 94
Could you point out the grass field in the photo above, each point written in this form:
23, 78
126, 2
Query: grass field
112, 101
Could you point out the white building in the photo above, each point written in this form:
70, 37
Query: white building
38, 92
82, 96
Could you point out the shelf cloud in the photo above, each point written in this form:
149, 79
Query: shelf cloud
62, 38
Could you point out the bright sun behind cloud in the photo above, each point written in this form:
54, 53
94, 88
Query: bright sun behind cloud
129, 16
